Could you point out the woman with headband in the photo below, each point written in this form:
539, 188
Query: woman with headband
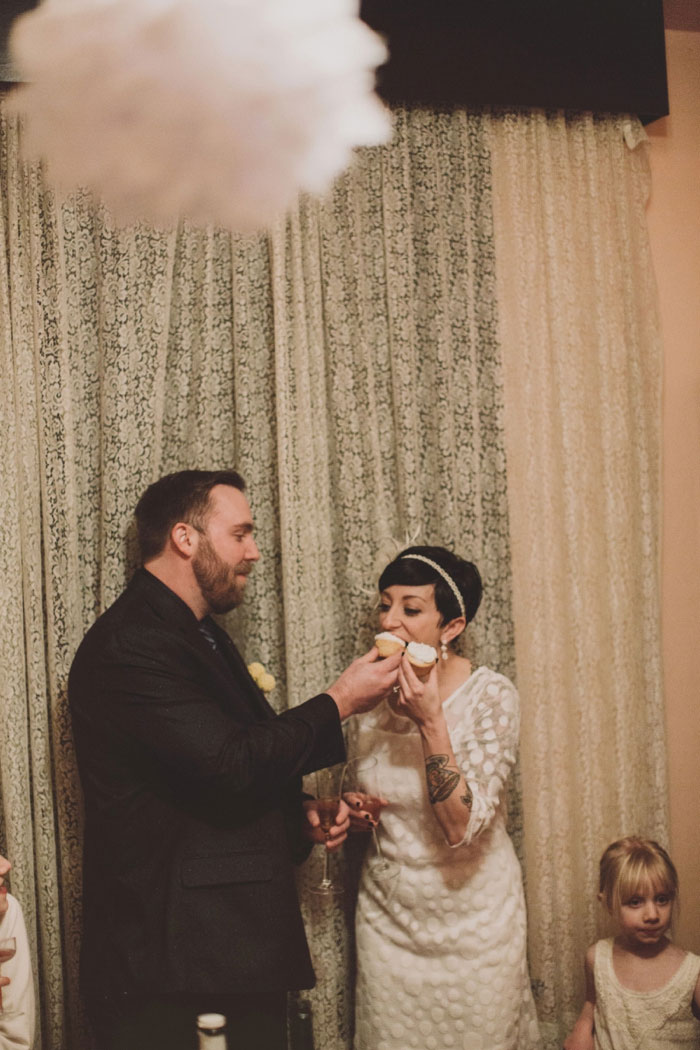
441, 947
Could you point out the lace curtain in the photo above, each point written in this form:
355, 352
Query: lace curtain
347, 364
381, 364
581, 354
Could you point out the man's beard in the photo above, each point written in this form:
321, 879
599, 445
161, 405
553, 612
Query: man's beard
221, 584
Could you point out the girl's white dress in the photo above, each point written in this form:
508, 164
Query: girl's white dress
658, 1020
442, 952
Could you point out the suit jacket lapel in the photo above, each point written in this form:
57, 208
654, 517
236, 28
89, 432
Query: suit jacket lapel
225, 663
237, 668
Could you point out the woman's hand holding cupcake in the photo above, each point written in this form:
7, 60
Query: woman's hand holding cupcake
418, 697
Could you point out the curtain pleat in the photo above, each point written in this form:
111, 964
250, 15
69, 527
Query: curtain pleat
389, 415
581, 355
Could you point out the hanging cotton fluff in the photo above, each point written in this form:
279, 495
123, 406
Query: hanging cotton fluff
220, 111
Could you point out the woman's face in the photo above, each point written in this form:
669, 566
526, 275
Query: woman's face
410, 613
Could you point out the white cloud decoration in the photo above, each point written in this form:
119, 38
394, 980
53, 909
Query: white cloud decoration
220, 111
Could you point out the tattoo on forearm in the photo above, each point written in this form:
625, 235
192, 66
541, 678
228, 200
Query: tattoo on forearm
467, 798
442, 780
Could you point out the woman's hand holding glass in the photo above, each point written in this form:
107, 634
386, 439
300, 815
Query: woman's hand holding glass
366, 801
365, 811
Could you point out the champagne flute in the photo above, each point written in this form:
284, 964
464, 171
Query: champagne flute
8, 947
329, 787
363, 792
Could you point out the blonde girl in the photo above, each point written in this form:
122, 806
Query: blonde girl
642, 991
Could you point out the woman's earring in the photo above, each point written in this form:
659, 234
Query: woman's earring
443, 648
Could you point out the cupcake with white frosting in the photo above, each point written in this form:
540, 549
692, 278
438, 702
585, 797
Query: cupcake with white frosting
388, 643
421, 658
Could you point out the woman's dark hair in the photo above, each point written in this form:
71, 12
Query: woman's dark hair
183, 496
408, 572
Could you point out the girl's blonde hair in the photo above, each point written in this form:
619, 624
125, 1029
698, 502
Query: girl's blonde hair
631, 864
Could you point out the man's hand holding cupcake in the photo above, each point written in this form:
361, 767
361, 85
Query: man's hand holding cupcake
366, 682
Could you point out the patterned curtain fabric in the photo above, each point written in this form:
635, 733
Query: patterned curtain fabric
582, 371
347, 364
386, 342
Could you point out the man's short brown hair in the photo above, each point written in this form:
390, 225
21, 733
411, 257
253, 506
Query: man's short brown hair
183, 496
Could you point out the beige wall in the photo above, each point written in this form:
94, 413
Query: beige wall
674, 224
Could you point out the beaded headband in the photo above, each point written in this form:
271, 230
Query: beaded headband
439, 569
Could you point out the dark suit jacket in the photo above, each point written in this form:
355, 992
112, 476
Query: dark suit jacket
193, 811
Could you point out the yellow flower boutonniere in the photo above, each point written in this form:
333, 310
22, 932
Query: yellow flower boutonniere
262, 679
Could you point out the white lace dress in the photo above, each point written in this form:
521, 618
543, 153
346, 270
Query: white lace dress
658, 1020
442, 953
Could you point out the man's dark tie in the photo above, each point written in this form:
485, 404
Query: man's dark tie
209, 635
232, 660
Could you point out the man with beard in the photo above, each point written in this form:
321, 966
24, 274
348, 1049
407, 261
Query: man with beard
194, 816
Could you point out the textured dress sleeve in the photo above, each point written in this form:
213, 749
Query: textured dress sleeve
485, 741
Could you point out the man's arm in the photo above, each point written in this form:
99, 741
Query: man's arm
156, 704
